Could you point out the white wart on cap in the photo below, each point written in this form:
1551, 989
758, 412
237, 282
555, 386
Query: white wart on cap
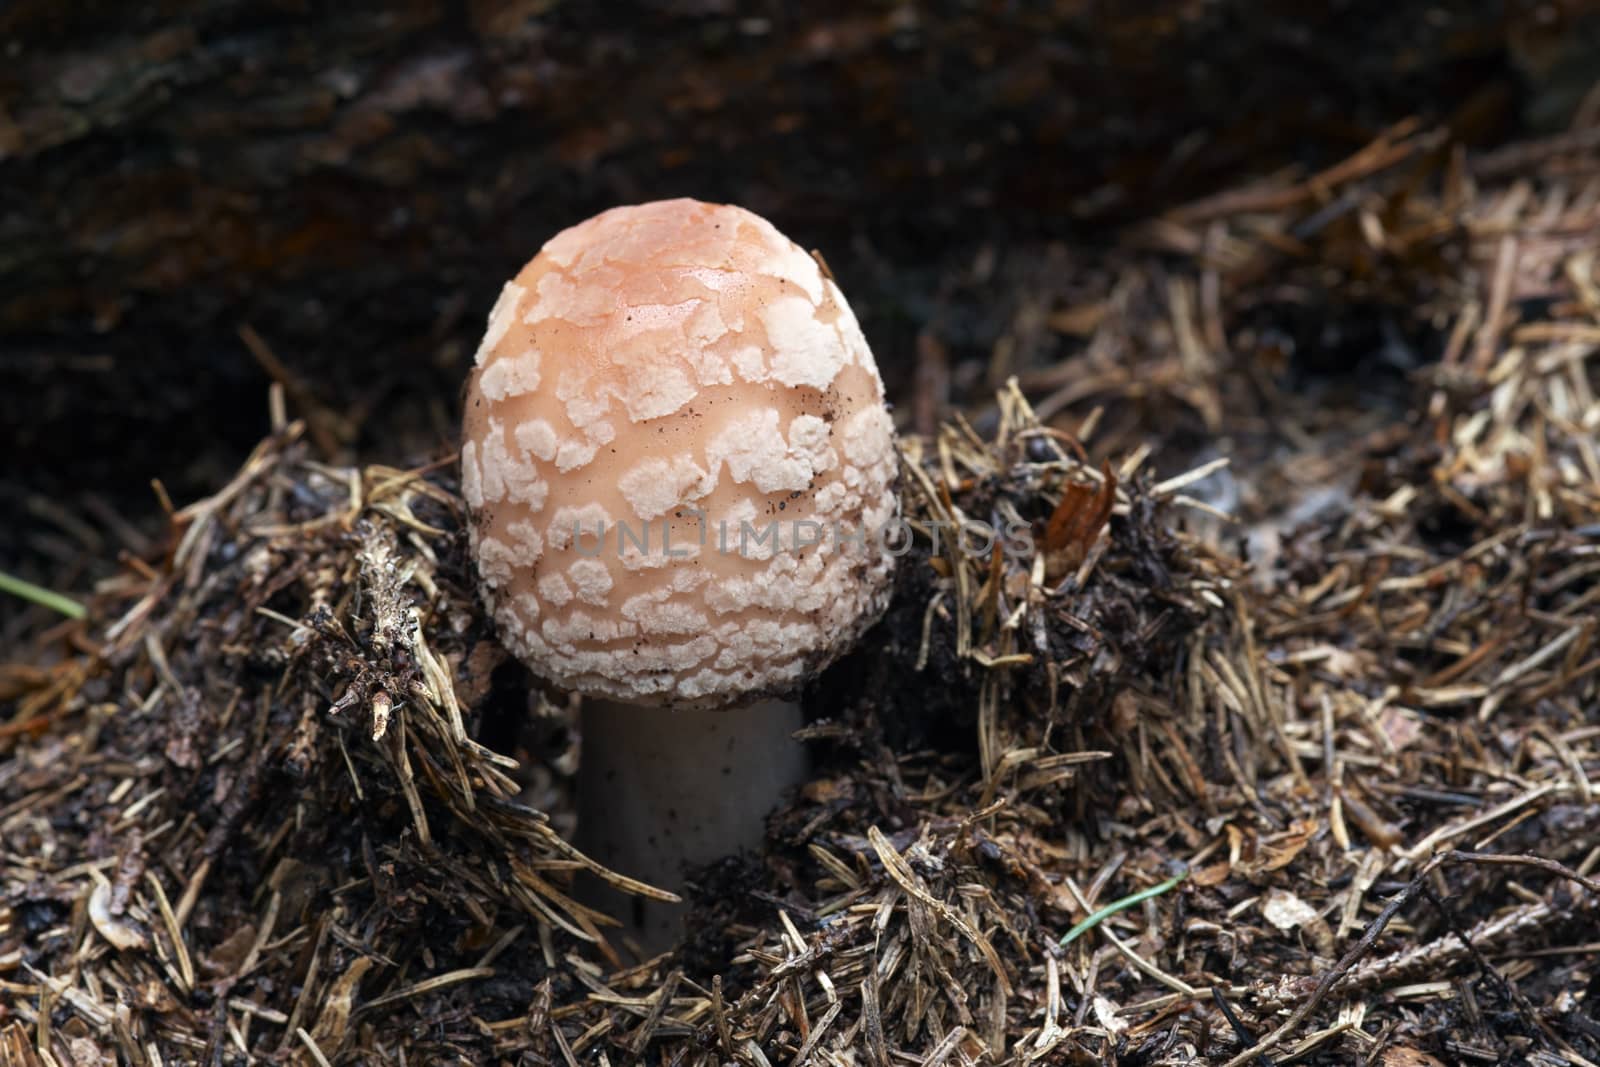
678, 367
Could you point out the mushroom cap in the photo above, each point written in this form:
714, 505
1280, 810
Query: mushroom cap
678, 460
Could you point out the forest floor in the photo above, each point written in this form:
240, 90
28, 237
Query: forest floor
1303, 669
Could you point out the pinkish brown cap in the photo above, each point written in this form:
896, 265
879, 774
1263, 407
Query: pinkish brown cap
684, 369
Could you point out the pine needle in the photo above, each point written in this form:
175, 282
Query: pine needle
1120, 905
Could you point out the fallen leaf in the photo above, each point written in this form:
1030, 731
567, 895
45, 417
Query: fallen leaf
1400, 725
1286, 911
1105, 1013
1075, 523
332, 1025
118, 933
1280, 850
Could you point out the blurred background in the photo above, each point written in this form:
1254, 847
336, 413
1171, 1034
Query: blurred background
197, 199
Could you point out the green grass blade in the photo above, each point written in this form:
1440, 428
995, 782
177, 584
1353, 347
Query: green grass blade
1120, 905
41, 596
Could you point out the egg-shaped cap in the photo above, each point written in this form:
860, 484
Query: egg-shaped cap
678, 460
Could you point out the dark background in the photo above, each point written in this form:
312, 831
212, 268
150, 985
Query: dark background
354, 183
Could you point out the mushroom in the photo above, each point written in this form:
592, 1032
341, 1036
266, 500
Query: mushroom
680, 470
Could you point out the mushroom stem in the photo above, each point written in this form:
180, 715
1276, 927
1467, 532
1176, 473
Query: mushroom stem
660, 791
